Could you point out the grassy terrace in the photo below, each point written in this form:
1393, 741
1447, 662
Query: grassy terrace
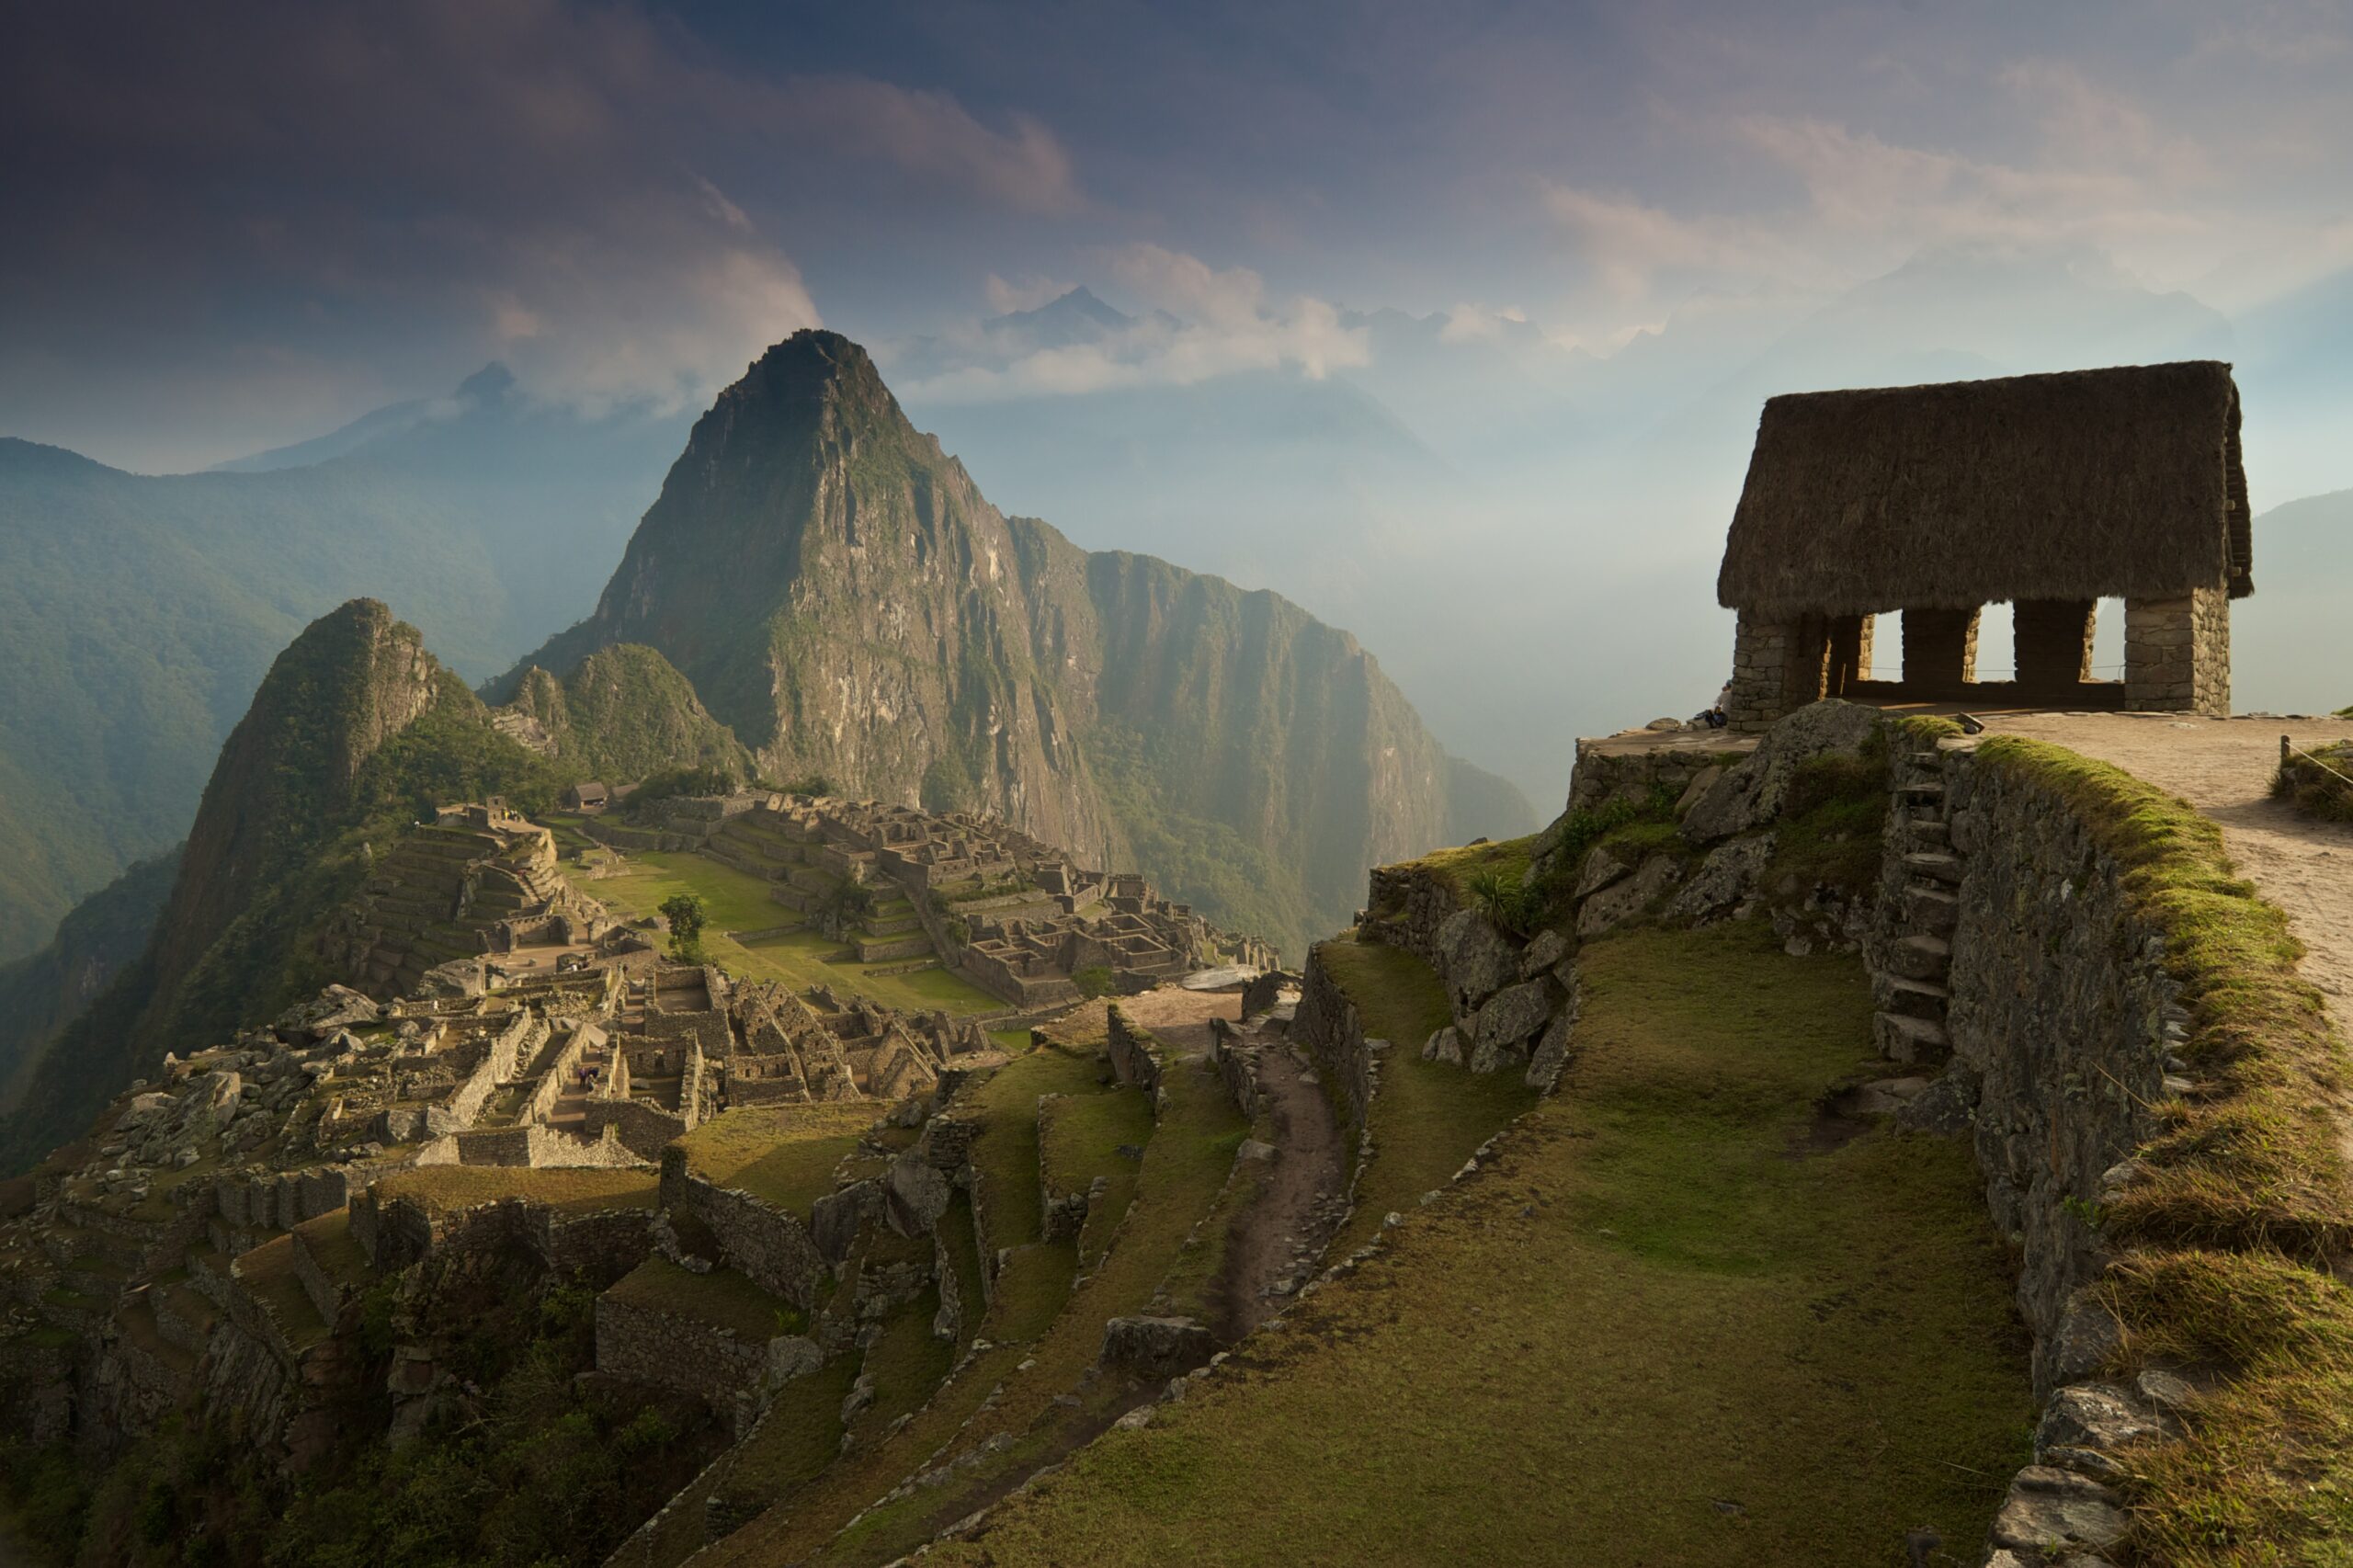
269, 1272
722, 1298
439, 1189
784, 1156
1185, 1165
1079, 1138
1428, 1116
1663, 1324
737, 901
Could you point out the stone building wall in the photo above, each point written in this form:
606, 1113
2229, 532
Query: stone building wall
757, 1240
642, 1129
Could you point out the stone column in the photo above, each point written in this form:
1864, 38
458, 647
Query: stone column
2053, 639
1805, 667
1940, 652
1760, 655
2177, 654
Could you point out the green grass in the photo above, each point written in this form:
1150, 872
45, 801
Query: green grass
1428, 1116
908, 1363
737, 901
1647, 1306
801, 1434
439, 1189
2324, 791
1184, 1167
783, 1155
1830, 829
1506, 857
722, 1298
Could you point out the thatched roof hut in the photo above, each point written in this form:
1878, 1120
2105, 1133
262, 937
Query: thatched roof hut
2087, 484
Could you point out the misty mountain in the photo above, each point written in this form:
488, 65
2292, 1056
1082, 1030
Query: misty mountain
843, 597
137, 612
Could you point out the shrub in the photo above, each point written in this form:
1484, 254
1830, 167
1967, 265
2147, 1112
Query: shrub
685, 913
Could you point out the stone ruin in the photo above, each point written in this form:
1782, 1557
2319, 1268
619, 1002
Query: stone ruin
1015, 915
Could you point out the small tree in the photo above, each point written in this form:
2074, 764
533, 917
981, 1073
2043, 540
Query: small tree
685, 913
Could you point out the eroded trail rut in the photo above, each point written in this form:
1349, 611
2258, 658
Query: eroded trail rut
1279, 1237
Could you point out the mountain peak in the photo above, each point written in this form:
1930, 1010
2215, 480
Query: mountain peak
488, 385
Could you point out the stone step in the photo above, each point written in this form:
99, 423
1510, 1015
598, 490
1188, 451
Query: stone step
1932, 908
1932, 831
1923, 957
1933, 864
1913, 998
1924, 789
1903, 1038
1929, 759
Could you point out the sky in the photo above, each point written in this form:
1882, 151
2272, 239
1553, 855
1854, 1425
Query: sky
1415, 298
230, 226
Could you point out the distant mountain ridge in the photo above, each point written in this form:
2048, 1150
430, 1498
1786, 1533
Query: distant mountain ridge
842, 597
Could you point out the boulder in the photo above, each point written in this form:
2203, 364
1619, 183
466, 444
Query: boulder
2048, 1509
1551, 1052
1726, 879
1475, 958
2096, 1416
917, 1194
1548, 949
1514, 1013
835, 1219
1751, 792
1156, 1347
1445, 1045
1615, 905
1603, 866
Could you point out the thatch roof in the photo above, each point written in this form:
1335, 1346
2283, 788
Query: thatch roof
2081, 485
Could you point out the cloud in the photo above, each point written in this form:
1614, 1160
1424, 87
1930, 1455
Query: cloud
401, 191
1205, 322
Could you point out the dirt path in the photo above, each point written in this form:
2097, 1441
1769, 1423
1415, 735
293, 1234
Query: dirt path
2224, 766
1276, 1240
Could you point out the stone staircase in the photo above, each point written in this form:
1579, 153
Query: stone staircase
1909, 991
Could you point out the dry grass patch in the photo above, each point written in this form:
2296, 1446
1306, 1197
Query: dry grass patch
783, 1155
722, 1298
442, 1188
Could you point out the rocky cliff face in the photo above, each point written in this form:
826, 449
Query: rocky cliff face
843, 597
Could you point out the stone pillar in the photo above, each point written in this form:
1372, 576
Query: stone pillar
2177, 654
1760, 657
1940, 652
2053, 639
1851, 654
1805, 669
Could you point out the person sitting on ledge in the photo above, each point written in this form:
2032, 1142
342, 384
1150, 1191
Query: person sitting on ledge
1714, 718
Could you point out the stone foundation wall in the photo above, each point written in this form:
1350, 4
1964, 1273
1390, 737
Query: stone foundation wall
679, 1353
1327, 1024
1133, 1061
2060, 1012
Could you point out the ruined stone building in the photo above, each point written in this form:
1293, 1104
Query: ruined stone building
2048, 493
